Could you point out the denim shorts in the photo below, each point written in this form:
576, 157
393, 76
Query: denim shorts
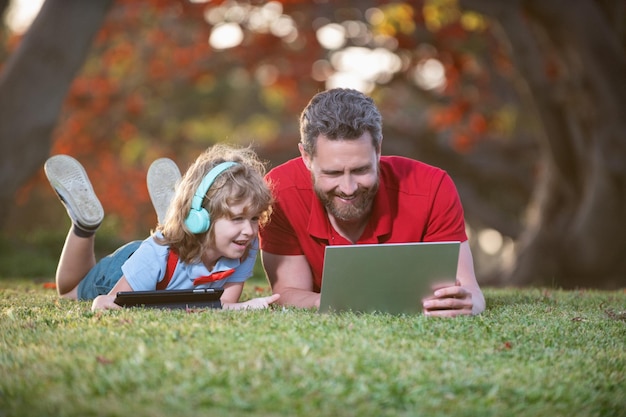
105, 274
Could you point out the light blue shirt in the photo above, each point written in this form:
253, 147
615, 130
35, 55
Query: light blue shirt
146, 267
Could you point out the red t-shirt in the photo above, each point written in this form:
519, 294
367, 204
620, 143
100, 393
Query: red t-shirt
415, 202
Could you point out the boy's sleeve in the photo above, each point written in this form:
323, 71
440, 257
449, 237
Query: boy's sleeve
146, 266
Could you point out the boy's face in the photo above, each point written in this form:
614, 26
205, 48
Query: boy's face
234, 233
345, 175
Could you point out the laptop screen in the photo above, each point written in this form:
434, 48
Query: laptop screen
390, 278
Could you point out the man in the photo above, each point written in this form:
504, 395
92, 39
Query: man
342, 191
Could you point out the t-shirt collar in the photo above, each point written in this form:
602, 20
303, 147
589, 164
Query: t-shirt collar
222, 264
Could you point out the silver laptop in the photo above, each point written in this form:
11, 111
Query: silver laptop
390, 278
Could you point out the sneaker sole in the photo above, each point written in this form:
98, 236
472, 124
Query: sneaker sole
69, 179
163, 176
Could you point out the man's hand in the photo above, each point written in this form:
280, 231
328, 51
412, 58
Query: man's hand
449, 301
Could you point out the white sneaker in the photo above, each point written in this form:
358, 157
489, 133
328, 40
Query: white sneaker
163, 176
71, 183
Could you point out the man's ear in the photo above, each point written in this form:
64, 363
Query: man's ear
305, 156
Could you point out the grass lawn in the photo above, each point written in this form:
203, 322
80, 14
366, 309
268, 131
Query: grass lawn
534, 352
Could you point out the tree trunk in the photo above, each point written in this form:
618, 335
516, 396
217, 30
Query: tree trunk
34, 83
573, 63
4, 4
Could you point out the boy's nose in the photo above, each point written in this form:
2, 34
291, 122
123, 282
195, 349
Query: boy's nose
248, 228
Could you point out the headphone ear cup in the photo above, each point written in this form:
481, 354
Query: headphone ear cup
198, 221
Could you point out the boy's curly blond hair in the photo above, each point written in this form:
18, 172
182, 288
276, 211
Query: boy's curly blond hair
241, 183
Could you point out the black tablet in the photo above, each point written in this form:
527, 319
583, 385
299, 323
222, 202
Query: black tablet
195, 298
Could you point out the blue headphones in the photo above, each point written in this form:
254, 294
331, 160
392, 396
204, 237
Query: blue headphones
198, 219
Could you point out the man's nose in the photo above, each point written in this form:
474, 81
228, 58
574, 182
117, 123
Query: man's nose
347, 184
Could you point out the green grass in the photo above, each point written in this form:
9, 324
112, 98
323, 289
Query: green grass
533, 353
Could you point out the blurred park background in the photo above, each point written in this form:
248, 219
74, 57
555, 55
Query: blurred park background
522, 102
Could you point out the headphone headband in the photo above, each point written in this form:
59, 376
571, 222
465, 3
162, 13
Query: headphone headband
198, 219
207, 181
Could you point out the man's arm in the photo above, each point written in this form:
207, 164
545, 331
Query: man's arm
291, 277
463, 298
466, 277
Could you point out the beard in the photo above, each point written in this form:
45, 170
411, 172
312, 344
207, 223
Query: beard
361, 203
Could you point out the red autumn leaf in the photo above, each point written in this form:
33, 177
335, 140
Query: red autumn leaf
103, 360
505, 346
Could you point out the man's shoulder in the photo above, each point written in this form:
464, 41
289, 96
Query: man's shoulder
402, 167
289, 174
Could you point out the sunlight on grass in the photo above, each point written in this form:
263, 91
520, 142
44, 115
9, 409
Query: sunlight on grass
532, 353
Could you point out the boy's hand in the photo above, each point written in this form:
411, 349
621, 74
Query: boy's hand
254, 304
104, 302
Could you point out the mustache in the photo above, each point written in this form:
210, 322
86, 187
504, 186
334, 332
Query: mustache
346, 196
359, 192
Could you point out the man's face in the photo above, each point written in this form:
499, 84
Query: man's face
345, 176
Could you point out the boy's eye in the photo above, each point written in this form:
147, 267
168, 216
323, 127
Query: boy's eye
241, 218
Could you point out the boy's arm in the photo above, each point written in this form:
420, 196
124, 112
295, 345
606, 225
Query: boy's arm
104, 302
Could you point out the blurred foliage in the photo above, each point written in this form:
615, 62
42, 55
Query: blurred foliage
153, 87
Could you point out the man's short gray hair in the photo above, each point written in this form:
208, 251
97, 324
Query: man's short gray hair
339, 114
